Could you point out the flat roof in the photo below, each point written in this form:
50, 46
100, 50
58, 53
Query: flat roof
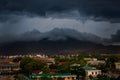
89, 68
58, 74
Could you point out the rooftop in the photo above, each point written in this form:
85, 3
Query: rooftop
58, 74
75, 64
89, 68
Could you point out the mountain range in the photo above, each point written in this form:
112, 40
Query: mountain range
56, 41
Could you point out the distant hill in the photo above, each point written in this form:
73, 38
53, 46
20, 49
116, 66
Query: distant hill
55, 34
50, 47
56, 41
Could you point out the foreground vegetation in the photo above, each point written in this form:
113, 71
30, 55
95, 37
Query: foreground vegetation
64, 65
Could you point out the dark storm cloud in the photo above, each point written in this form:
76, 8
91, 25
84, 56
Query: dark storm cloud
10, 18
18, 16
116, 37
109, 9
55, 34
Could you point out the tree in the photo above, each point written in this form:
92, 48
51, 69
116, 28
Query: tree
103, 77
77, 70
82, 55
46, 69
111, 60
102, 67
113, 78
53, 66
46, 78
29, 64
17, 59
63, 68
25, 61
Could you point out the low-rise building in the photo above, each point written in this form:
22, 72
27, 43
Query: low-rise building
9, 67
117, 65
65, 76
6, 66
91, 71
95, 62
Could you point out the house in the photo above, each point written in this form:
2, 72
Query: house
91, 71
117, 65
6, 66
37, 72
89, 59
65, 76
95, 62
53, 71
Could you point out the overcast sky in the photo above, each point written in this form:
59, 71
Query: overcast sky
99, 17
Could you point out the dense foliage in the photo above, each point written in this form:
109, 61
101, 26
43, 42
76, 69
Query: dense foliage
29, 64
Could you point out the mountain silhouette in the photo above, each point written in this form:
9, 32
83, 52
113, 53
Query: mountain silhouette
50, 47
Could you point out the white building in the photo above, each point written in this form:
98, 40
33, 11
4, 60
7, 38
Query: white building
117, 65
91, 71
95, 62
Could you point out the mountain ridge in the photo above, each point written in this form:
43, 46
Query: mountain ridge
55, 34
50, 47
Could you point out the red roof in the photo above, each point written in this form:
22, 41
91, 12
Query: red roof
36, 71
53, 71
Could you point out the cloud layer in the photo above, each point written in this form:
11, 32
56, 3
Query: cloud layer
116, 37
98, 17
109, 9
55, 34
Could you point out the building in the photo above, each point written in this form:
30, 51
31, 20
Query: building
65, 76
95, 62
6, 66
117, 65
88, 59
91, 71
9, 68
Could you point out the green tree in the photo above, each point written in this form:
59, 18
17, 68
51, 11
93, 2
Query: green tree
103, 77
102, 67
17, 59
46, 78
82, 55
82, 62
111, 60
25, 61
112, 78
29, 64
53, 66
78, 71
46, 69
19, 77
63, 68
